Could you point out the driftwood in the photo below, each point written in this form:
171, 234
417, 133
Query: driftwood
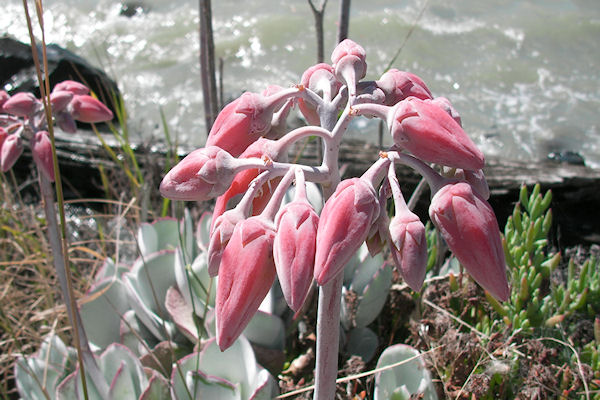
576, 188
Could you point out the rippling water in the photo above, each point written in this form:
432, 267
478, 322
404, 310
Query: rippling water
524, 75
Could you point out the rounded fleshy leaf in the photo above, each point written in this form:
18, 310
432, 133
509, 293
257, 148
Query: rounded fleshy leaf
469, 226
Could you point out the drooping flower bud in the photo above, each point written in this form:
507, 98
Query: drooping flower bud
244, 120
344, 224
71, 86
87, 109
469, 226
60, 100
476, 179
294, 250
409, 248
246, 274
431, 134
22, 104
348, 59
203, 174
11, 150
41, 148
399, 85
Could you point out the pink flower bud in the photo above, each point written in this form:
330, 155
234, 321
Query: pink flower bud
66, 122
469, 226
428, 132
445, 105
244, 120
476, 179
398, 85
60, 100
71, 86
22, 104
203, 174
85, 108
320, 79
220, 236
409, 248
10, 152
3, 98
349, 63
41, 148
294, 250
246, 274
3, 136
344, 224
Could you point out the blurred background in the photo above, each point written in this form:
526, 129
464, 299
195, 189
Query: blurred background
524, 75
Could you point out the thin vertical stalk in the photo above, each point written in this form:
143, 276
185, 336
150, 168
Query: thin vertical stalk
318, 14
344, 23
207, 64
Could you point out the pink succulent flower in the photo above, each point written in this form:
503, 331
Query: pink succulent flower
348, 59
344, 224
398, 85
476, 179
41, 148
65, 121
85, 108
203, 174
22, 104
3, 136
244, 120
221, 234
10, 152
60, 100
246, 274
294, 250
469, 226
71, 86
431, 134
409, 248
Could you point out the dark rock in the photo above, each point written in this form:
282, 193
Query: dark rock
17, 70
567, 156
132, 8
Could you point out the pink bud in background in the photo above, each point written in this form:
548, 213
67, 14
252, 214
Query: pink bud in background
3, 98
398, 85
203, 174
65, 122
432, 135
3, 136
344, 224
10, 152
85, 108
71, 86
348, 59
21, 104
60, 100
409, 248
41, 148
220, 236
246, 274
469, 226
476, 179
320, 79
294, 250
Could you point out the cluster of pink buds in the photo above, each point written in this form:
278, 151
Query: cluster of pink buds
255, 237
22, 117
